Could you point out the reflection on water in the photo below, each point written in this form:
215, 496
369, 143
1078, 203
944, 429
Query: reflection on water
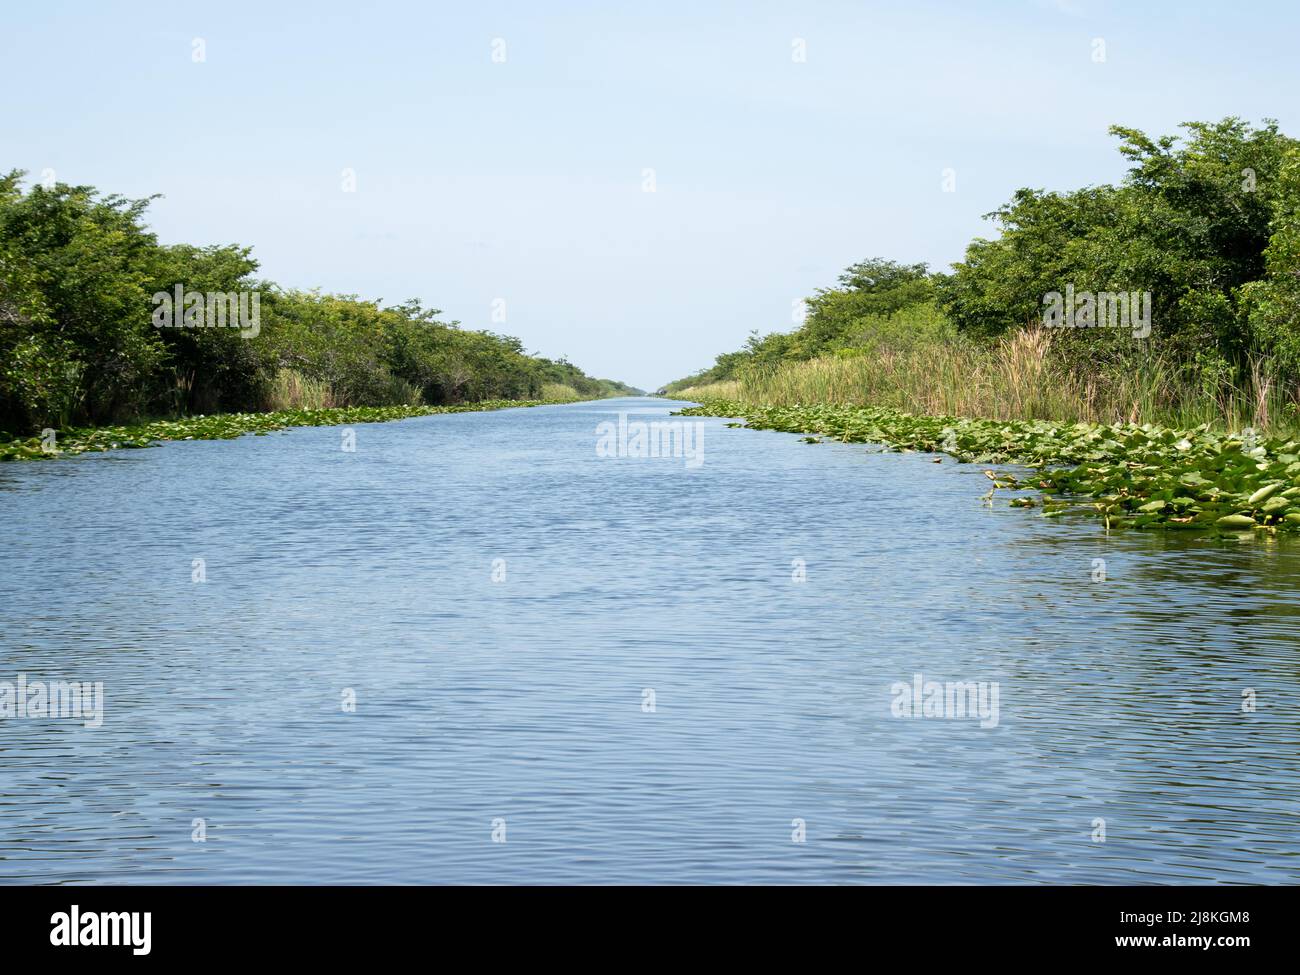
647, 695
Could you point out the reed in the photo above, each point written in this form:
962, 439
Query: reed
291, 390
559, 393
1021, 376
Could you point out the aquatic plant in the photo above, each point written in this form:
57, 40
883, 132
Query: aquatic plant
1128, 475
221, 426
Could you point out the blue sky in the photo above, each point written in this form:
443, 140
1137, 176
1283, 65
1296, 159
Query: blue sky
522, 180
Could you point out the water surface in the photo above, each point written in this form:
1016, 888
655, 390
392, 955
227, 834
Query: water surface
527, 700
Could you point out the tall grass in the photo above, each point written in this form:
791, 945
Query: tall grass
1017, 377
559, 393
727, 389
291, 390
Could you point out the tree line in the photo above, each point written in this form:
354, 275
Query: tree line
82, 283
1205, 227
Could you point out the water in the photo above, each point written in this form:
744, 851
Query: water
525, 700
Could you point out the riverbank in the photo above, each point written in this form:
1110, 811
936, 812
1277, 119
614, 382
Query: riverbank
225, 426
1026, 375
1128, 475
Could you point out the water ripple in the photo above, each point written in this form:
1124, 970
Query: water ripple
1120, 701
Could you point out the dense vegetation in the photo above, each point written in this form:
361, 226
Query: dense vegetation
1207, 224
79, 344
